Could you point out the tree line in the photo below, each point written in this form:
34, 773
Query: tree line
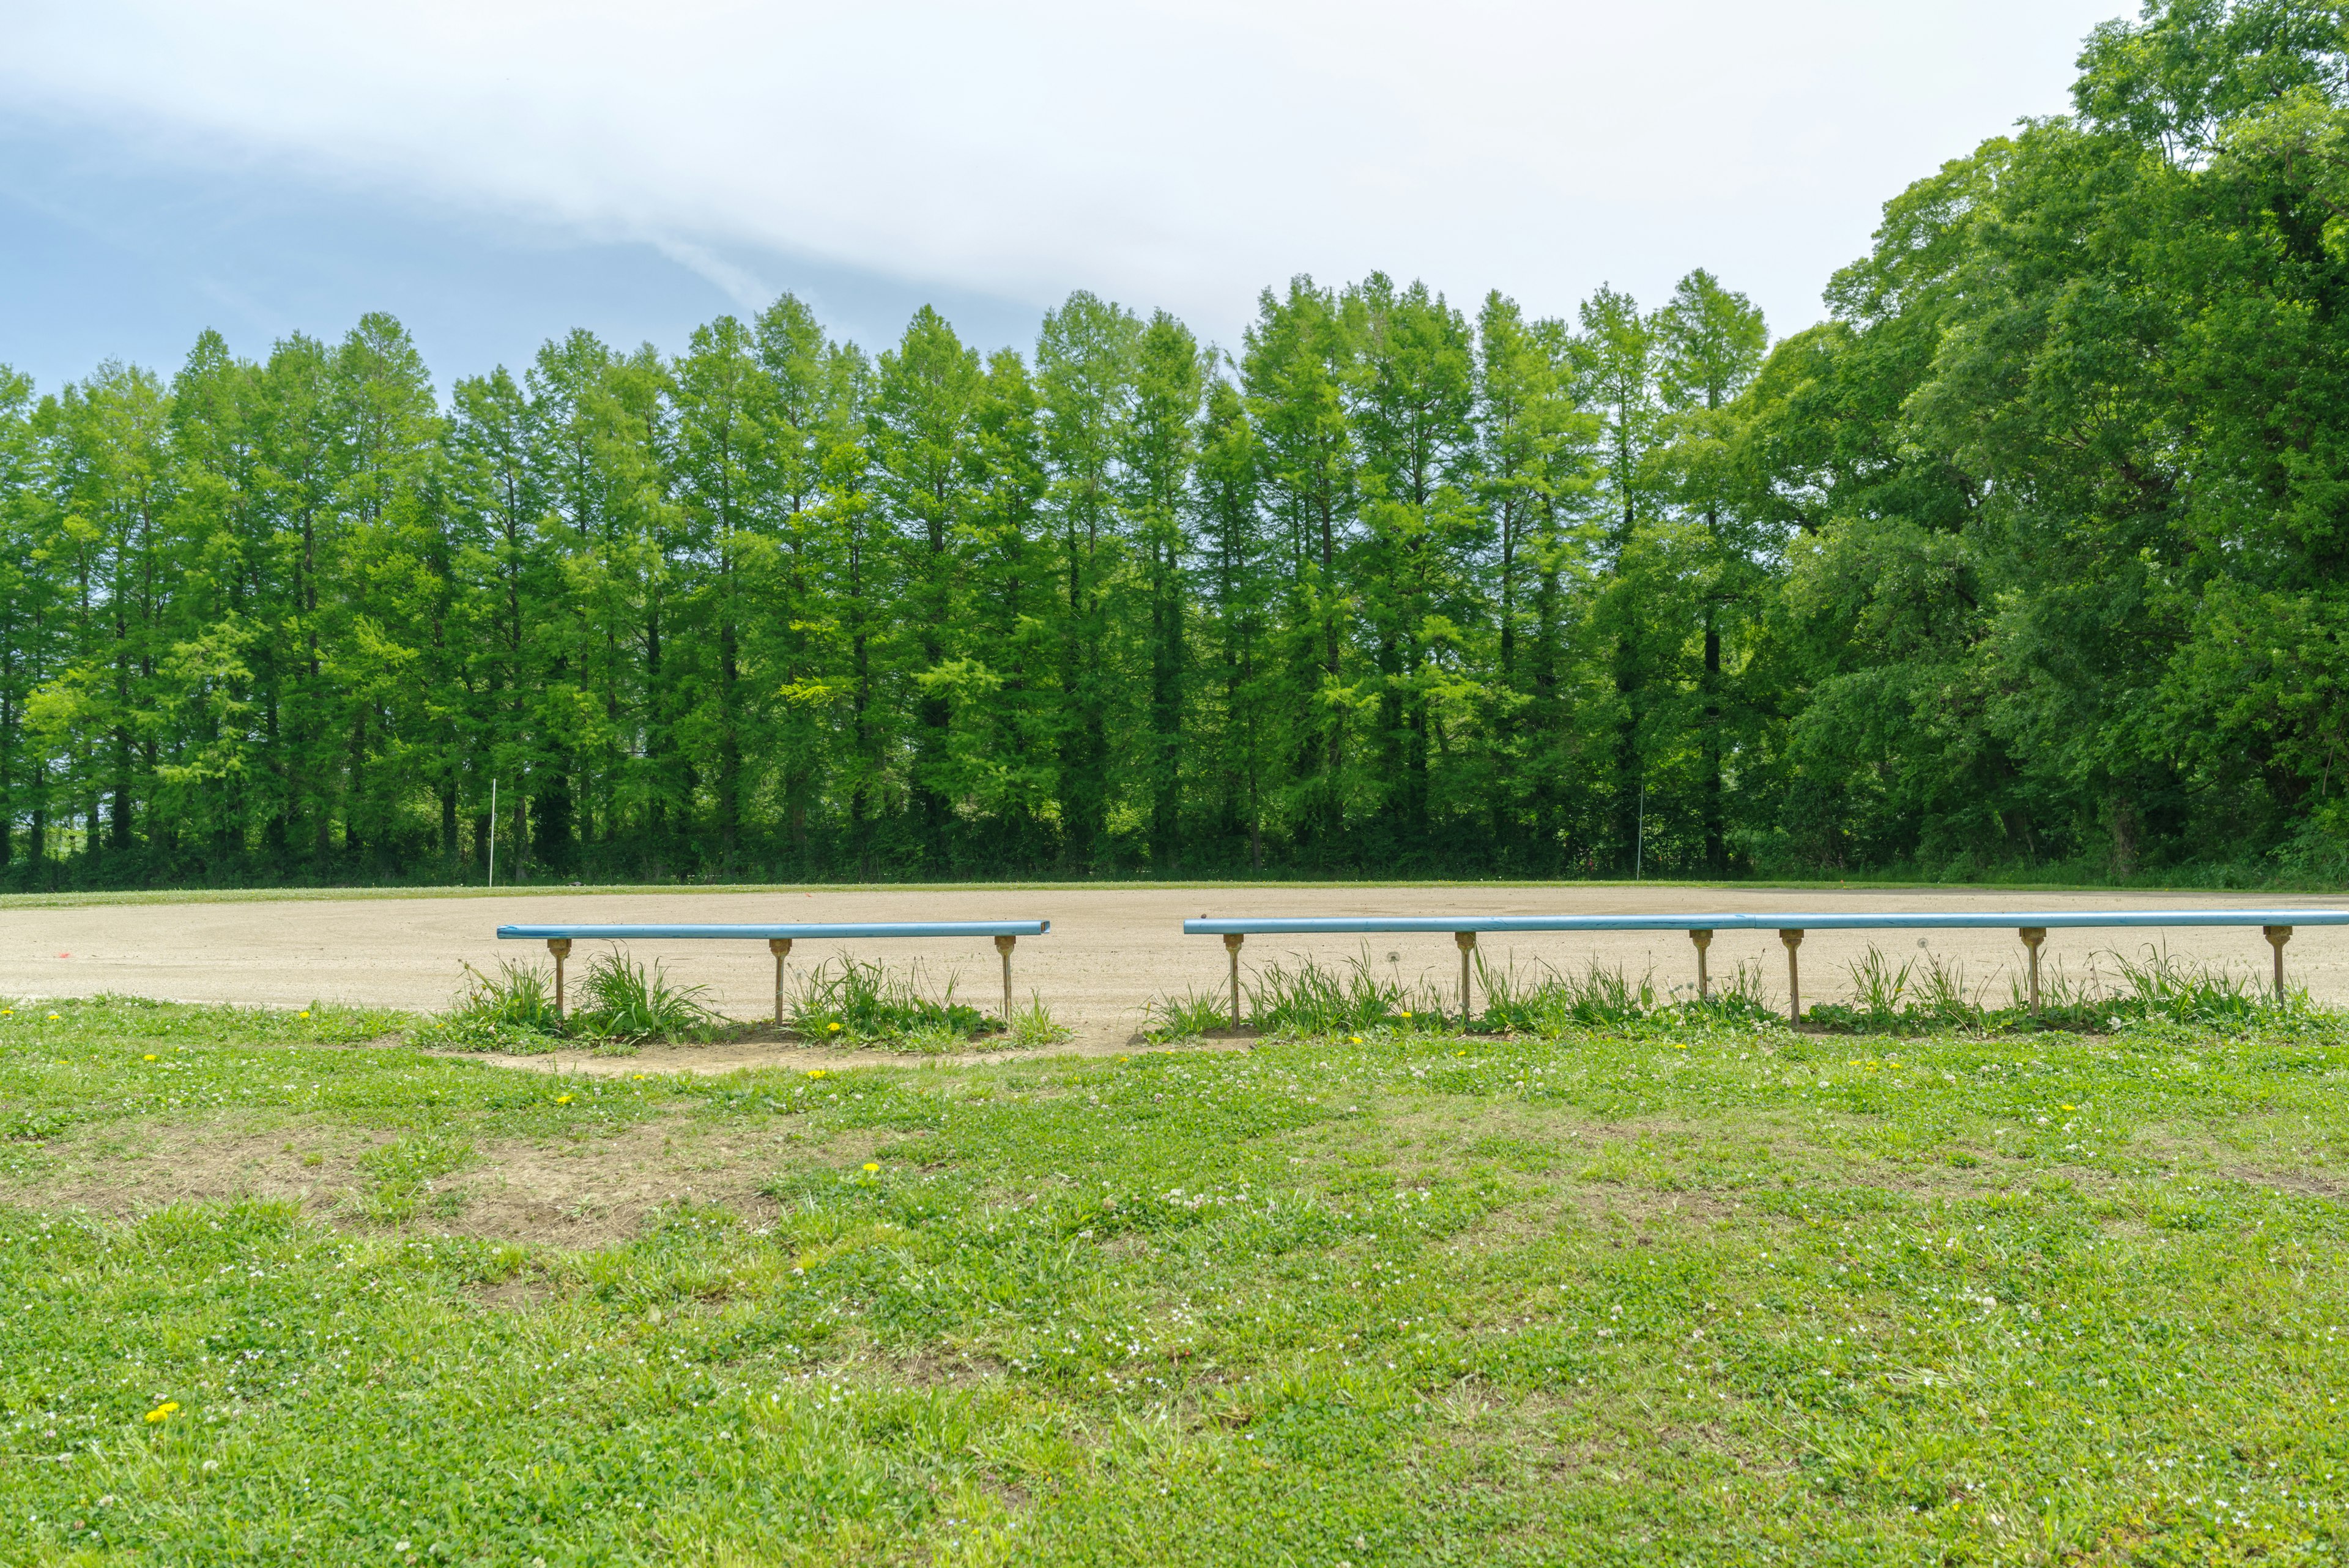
2030, 555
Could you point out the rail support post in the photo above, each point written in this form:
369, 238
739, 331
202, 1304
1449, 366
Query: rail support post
1466, 943
1703, 939
781, 947
561, 948
1793, 976
2277, 936
1004, 945
1232, 941
2032, 937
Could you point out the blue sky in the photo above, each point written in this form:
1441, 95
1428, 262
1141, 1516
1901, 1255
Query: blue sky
497, 172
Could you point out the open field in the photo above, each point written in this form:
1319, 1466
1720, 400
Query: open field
277, 1289
1109, 951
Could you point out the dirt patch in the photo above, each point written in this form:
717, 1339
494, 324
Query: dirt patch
780, 1051
2299, 1183
130, 1169
553, 1191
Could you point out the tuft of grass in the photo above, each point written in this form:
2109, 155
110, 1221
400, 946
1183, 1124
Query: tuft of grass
1920, 998
1194, 1012
629, 1002
1032, 1027
843, 1001
1906, 999
1310, 998
1556, 1000
512, 1011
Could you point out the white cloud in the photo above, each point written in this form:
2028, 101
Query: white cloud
1162, 152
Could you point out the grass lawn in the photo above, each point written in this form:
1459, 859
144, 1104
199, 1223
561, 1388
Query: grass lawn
1710, 1293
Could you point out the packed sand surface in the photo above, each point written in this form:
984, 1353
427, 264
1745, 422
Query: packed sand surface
1110, 951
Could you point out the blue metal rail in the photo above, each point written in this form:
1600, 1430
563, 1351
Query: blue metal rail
778, 939
2030, 925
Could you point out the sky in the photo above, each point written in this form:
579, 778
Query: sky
495, 172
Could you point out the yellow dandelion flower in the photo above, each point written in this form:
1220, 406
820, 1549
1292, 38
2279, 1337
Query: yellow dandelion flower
304, 1014
2070, 1107
818, 1072
870, 1165
152, 1057
163, 1412
53, 1018
562, 1099
1353, 1040
833, 1027
1406, 1015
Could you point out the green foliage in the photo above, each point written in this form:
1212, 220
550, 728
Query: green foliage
1929, 996
512, 1010
2026, 561
843, 1002
1307, 997
630, 1002
1194, 1012
1554, 1001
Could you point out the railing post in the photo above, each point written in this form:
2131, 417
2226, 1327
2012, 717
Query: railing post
1004, 945
1703, 939
2032, 937
781, 947
1793, 976
1466, 943
1232, 941
2277, 936
561, 948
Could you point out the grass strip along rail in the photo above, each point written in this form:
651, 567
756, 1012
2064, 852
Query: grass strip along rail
2032, 925
779, 940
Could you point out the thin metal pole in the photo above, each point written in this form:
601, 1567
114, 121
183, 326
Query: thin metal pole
2032, 937
1793, 976
1003, 945
1466, 943
1232, 941
2277, 936
1703, 939
561, 948
493, 835
781, 947
1639, 836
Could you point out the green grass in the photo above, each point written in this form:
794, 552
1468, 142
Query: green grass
845, 1002
1699, 1290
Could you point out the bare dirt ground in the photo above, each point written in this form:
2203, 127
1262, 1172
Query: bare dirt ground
1110, 951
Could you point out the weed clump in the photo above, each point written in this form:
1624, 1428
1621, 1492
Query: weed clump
628, 1002
512, 1011
1193, 1013
1313, 998
1917, 998
843, 1001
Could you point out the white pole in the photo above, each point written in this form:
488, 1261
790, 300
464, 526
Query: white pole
493, 835
1639, 837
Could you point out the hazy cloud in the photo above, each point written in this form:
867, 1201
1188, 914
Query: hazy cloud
1176, 154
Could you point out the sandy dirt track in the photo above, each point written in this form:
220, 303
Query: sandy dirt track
1110, 950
